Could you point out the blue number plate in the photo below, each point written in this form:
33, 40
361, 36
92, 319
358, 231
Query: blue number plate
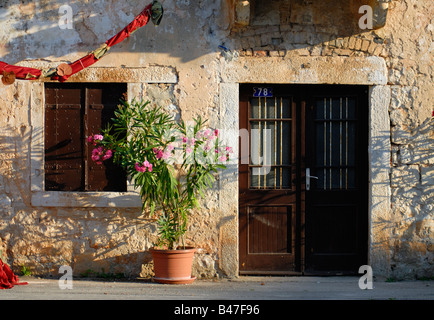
262, 92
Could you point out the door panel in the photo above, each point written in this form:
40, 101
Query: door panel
63, 141
336, 204
287, 225
269, 229
267, 185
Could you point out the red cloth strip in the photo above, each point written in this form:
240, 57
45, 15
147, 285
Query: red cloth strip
25, 73
20, 72
7, 278
138, 22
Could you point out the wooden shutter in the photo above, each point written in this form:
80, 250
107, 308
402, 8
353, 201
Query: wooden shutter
63, 140
101, 103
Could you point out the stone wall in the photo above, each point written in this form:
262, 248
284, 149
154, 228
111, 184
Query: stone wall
405, 43
410, 52
180, 64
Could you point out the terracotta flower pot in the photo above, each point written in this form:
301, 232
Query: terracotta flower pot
173, 266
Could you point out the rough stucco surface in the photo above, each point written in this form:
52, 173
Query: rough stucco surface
180, 65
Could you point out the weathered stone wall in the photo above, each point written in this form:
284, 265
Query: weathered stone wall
309, 29
179, 64
410, 61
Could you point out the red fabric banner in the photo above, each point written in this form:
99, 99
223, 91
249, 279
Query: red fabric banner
10, 72
7, 278
139, 21
20, 72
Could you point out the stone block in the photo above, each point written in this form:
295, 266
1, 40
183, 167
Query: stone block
266, 39
316, 50
372, 47
427, 175
242, 13
405, 176
378, 50
400, 135
352, 43
343, 52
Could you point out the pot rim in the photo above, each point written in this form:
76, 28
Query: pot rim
187, 249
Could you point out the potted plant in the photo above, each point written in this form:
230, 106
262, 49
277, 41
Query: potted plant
172, 164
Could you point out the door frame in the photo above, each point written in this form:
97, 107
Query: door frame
370, 71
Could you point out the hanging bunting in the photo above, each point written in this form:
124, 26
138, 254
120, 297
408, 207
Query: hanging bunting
153, 11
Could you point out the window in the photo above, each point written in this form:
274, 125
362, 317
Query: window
74, 111
271, 143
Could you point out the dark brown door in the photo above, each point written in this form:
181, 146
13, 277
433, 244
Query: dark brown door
337, 197
267, 182
302, 179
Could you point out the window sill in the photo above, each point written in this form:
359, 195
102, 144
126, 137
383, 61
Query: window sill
86, 199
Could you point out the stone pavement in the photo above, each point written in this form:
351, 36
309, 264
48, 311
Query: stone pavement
245, 297
242, 288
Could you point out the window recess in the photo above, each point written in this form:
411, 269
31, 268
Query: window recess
72, 113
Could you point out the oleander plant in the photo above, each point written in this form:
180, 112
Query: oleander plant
171, 163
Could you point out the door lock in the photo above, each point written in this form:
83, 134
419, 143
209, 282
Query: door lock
308, 177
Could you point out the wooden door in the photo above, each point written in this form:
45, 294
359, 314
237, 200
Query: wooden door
267, 183
302, 179
337, 198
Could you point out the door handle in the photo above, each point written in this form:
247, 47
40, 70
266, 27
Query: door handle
308, 177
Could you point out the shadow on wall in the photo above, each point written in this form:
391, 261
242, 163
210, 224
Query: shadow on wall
405, 232
40, 29
45, 238
189, 29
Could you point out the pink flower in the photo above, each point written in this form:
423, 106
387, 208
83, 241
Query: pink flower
207, 147
170, 147
216, 132
188, 150
148, 165
107, 155
207, 133
139, 168
96, 154
192, 141
184, 139
229, 149
98, 137
223, 158
166, 154
216, 150
158, 153
90, 139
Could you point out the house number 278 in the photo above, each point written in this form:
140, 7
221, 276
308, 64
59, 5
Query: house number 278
260, 92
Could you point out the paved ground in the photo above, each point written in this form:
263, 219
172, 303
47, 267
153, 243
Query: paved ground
245, 297
243, 288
